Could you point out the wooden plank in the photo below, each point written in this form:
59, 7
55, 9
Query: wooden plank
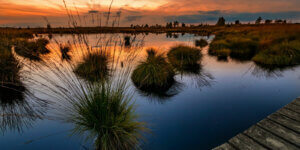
268, 139
293, 107
290, 114
280, 131
224, 146
245, 143
287, 122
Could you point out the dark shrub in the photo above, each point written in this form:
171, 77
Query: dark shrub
201, 43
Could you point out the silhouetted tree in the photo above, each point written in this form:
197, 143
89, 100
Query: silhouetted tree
284, 21
268, 21
237, 22
169, 25
146, 26
221, 21
175, 24
183, 25
127, 41
48, 26
258, 20
278, 21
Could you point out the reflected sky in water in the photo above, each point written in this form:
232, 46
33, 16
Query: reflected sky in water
207, 109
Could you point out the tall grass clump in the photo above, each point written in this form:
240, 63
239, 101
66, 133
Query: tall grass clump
185, 59
106, 114
153, 74
32, 49
94, 67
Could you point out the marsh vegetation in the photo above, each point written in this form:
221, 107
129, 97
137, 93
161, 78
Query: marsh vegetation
274, 46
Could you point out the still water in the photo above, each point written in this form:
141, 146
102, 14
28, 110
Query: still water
202, 112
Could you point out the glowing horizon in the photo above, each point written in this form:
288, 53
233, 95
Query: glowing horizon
18, 12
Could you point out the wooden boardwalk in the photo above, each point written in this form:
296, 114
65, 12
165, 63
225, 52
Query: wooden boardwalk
280, 130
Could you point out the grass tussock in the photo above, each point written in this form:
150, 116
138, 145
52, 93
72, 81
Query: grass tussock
154, 73
94, 67
185, 59
32, 49
109, 118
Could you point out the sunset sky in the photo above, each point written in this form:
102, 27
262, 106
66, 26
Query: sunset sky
32, 12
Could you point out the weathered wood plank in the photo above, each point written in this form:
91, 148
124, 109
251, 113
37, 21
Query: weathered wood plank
268, 139
292, 124
224, 146
245, 143
280, 131
289, 113
293, 107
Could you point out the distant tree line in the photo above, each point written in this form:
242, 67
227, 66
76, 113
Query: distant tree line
175, 24
221, 21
